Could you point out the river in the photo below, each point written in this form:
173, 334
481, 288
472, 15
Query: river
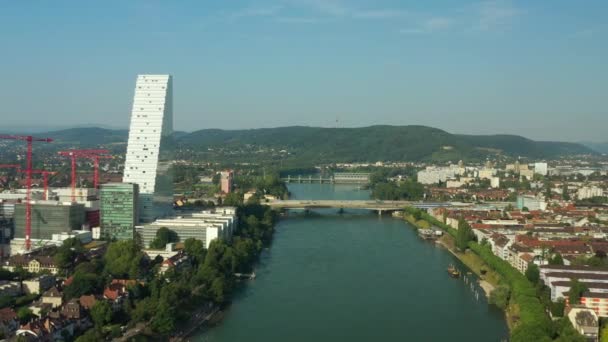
354, 277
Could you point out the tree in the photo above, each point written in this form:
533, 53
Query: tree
89, 336
548, 192
558, 307
556, 260
565, 194
500, 296
25, 314
101, 313
83, 283
67, 252
233, 199
163, 236
144, 309
163, 320
6, 274
122, 259
218, 289
566, 332
464, 234
195, 249
22, 273
576, 291
533, 273
604, 334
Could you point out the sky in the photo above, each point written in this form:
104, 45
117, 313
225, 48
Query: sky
533, 68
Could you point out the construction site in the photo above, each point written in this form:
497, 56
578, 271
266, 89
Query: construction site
43, 207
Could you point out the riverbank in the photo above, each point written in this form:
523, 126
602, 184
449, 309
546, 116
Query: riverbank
527, 315
489, 279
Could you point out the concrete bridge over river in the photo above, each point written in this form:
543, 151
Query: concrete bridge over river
379, 206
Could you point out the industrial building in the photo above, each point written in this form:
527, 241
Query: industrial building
205, 226
118, 209
148, 158
48, 218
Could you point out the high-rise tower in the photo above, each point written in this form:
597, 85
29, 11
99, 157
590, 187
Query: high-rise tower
149, 146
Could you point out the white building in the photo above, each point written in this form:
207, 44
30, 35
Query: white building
205, 226
531, 202
589, 191
147, 163
486, 173
433, 175
541, 169
495, 182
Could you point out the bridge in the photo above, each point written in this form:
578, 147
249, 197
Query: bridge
337, 178
379, 206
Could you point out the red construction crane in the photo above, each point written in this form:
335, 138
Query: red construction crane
96, 168
45, 180
73, 154
28, 207
45, 175
6, 166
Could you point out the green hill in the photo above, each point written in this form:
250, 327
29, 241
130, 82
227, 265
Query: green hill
380, 143
315, 144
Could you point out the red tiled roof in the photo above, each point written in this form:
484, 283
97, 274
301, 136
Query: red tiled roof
87, 302
7, 314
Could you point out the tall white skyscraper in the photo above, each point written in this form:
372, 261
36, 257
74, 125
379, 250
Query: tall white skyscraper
148, 150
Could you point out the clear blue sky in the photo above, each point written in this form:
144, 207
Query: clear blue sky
535, 68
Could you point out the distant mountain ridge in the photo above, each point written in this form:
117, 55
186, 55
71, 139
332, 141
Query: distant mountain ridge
373, 143
598, 147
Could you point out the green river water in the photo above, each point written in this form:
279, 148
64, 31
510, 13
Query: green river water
354, 277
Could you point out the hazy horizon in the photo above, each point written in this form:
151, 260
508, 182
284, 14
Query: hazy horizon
468, 67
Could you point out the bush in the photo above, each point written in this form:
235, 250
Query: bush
500, 296
533, 325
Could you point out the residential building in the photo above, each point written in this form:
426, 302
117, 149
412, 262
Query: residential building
32, 263
9, 288
487, 173
87, 301
53, 297
177, 262
434, 175
118, 208
148, 158
589, 192
226, 181
118, 291
558, 278
8, 321
528, 174
38, 284
586, 322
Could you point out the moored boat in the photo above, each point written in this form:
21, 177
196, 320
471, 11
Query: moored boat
453, 271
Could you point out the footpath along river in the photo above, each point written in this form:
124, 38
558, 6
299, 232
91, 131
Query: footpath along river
354, 277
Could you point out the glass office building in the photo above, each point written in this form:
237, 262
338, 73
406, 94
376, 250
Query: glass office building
118, 210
